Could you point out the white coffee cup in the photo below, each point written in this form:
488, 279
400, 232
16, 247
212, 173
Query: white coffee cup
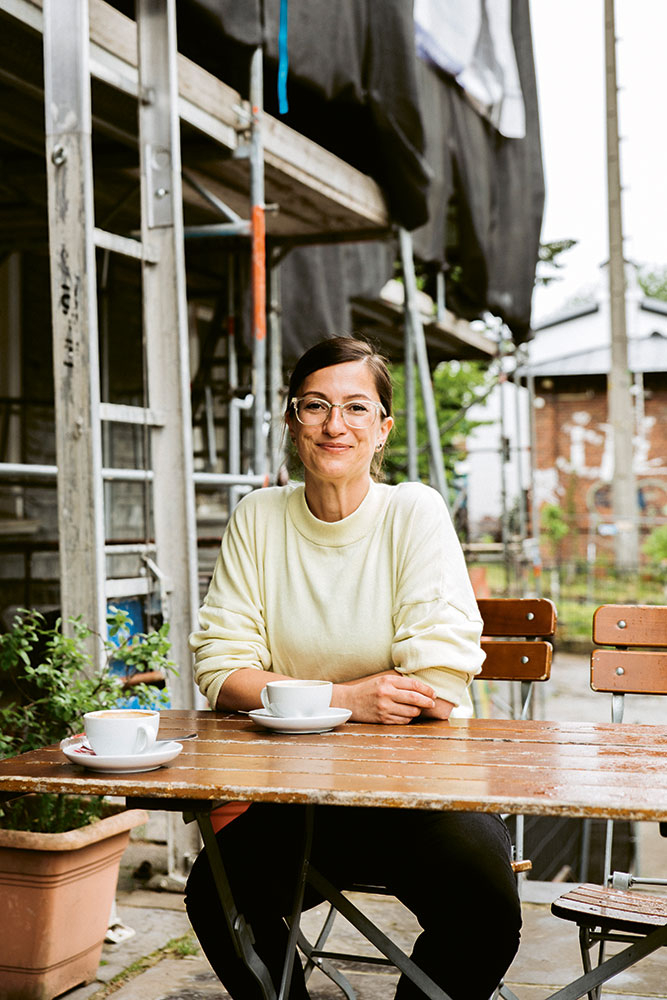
293, 699
121, 732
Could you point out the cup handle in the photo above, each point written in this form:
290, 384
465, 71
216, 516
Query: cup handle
145, 738
264, 695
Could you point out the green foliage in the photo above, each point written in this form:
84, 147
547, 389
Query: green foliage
48, 683
549, 260
554, 524
655, 546
141, 652
456, 386
50, 813
653, 282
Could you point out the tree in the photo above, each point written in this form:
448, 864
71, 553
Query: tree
549, 260
457, 385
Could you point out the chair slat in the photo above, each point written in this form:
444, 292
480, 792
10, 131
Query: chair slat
630, 625
629, 671
520, 616
516, 661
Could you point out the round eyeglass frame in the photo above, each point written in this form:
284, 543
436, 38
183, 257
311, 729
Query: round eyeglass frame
295, 400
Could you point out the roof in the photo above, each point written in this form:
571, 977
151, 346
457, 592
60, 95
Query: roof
646, 354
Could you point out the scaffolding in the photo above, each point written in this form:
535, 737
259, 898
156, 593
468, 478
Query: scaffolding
145, 95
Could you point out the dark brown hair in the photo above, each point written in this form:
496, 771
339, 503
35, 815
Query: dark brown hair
338, 351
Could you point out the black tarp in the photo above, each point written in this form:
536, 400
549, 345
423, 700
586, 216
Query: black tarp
356, 87
485, 203
326, 278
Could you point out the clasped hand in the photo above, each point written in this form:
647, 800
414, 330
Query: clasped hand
389, 698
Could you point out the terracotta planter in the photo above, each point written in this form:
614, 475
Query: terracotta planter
56, 892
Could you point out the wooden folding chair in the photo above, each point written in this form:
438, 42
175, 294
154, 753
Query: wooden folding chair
515, 640
611, 912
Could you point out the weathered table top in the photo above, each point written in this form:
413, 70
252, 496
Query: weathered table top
550, 768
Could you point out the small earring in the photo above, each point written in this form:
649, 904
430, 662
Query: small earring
380, 446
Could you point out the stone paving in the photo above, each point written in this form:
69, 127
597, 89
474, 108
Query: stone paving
548, 957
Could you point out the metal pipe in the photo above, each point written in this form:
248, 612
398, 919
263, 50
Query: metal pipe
428, 399
258, 258
210, 427
233, 411
211, 198
440, 301
242, 228
504, 455
534, 509
128, 548
276, 433
410, 398
16, 470
523, 519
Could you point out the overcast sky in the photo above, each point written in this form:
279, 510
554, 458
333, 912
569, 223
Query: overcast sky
568, 40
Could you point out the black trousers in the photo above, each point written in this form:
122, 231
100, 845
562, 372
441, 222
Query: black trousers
452, 869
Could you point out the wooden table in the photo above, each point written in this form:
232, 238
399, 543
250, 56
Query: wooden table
525, 767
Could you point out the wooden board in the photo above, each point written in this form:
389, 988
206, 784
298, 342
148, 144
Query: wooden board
630, 625
518, 616
516, 661
629, 671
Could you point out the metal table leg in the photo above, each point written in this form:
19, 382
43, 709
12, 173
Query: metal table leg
297, 909
240, 930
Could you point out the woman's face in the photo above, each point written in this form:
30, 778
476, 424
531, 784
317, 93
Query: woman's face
332, 451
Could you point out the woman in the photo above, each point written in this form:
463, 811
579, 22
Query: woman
375, 576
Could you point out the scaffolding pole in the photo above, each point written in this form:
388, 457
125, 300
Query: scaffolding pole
416, 334
410, 399
258, 259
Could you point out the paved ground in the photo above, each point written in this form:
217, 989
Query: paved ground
548, 957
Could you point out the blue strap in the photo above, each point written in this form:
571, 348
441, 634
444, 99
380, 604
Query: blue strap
283, 60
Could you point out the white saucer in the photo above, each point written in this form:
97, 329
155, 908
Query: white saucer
302, 724
76, 750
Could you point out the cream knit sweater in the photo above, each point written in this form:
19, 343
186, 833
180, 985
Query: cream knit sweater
384, 588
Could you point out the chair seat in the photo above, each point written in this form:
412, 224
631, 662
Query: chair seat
612, 909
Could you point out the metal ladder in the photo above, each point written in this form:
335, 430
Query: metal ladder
80, 413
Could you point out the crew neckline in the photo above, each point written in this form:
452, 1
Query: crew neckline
336, 533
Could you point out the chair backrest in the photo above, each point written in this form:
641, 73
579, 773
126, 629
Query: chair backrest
638, 663
515, 638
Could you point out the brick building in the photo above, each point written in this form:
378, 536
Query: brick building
570, 362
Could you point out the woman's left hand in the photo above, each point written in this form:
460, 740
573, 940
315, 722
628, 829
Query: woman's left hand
390, 698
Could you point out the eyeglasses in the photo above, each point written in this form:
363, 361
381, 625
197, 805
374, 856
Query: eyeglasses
311, 410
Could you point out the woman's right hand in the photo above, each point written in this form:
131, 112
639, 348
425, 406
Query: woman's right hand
389, 698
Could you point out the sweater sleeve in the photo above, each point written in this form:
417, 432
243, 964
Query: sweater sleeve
232, 631
437, 625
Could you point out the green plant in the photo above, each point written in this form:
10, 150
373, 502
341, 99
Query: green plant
457, 386
554, 525
48, 682
655, 546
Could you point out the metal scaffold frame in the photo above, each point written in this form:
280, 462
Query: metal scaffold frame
79, 412
81, 417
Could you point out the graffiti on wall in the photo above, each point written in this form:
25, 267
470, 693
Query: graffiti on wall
589, 454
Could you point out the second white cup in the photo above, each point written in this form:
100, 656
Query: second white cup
121, 732
291, 699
